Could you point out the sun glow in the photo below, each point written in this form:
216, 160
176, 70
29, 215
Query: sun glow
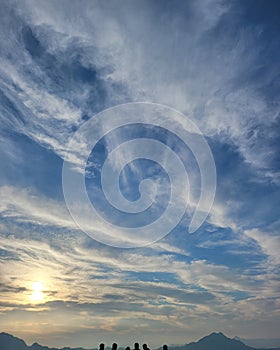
37, 291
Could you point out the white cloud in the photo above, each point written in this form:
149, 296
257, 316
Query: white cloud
183, 70
269, 243
22, 204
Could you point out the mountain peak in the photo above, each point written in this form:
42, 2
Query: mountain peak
217, 334
217, 341
9, 342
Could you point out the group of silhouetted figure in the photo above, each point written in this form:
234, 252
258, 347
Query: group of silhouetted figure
136, 347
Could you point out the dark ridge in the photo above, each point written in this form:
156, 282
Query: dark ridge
213, 341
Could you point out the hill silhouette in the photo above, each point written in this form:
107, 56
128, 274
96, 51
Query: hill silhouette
214, 341
260, 342
9, 342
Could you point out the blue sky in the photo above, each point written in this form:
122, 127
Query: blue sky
61, 63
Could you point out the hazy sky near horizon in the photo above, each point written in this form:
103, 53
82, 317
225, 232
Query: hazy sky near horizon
61, 62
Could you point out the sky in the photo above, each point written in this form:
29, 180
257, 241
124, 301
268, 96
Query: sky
211, 66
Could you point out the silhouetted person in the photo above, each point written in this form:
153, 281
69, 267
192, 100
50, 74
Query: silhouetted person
145, 347
136, 346
114, 346
127, 348
101, 346
165, 347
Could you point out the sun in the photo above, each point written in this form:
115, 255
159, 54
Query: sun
37, 291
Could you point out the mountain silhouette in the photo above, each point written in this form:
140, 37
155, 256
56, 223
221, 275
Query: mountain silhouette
9, 342
260, 342
214, 341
